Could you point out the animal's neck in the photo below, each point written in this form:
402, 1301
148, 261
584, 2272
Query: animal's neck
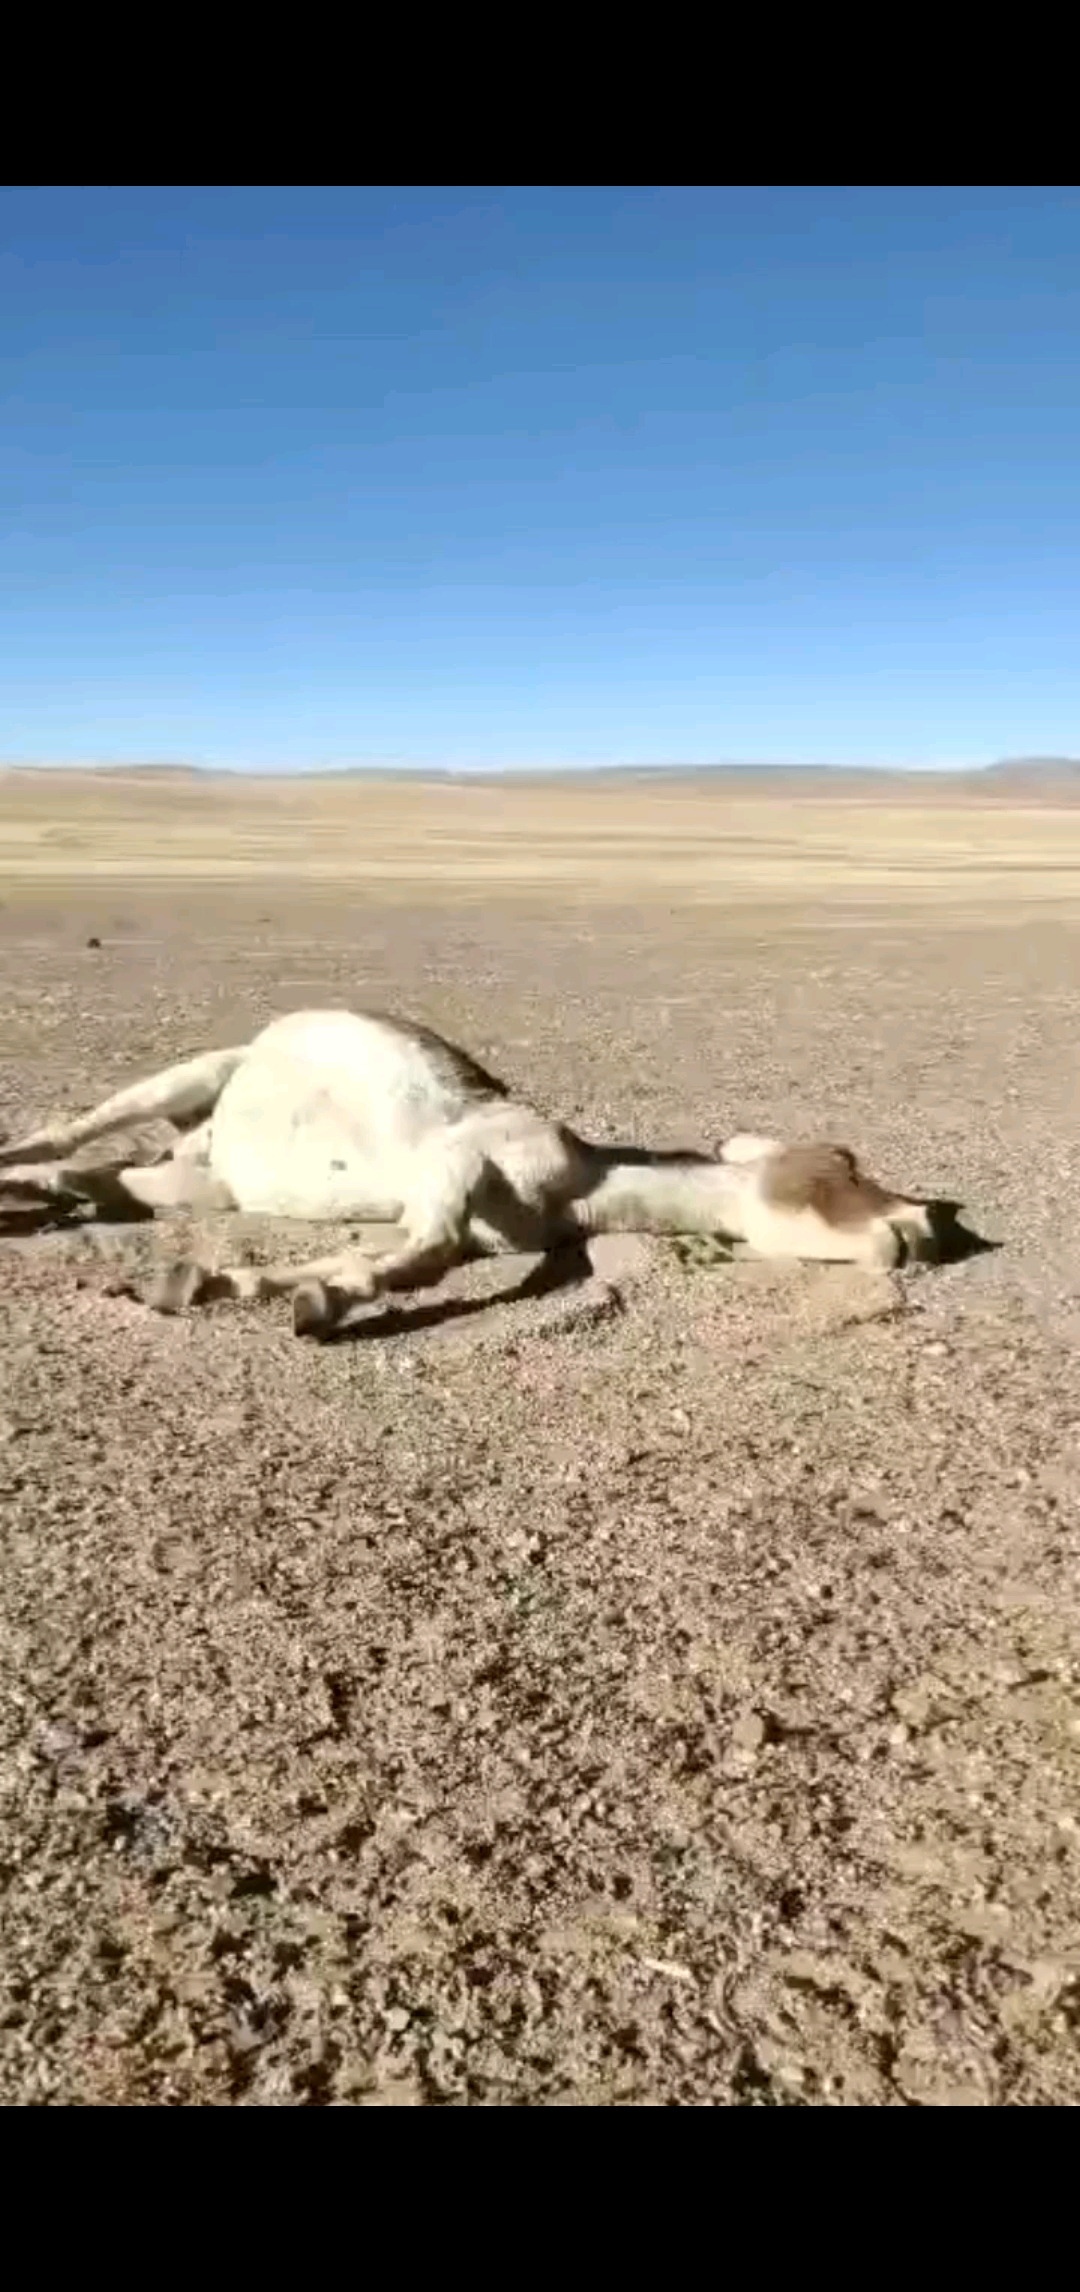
636, 1192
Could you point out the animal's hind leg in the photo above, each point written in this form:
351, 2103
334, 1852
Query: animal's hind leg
181, 1094
178, 1183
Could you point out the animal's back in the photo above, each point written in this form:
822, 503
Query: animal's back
326, 1105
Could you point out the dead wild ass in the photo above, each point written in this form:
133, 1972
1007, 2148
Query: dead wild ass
339, 1115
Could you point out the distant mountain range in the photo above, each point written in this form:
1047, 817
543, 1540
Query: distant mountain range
1022, 771
1034, 768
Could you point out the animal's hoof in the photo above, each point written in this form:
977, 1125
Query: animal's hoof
177, 1287
313, 1313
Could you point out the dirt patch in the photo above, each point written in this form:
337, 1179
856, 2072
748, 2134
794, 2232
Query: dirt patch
660, 1689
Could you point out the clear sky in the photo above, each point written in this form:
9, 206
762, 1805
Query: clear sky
539, 476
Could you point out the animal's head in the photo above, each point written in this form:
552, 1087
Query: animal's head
826, 1180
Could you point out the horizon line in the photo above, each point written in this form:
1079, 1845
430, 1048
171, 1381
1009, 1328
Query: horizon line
1024, 763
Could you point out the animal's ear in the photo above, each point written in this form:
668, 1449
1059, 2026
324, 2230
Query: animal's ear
828, 1153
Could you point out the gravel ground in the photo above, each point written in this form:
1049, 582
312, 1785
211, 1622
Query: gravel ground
659, 1692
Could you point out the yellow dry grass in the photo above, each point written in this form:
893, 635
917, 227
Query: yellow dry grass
682, 839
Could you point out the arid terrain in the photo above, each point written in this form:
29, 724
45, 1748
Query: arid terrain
665, 1692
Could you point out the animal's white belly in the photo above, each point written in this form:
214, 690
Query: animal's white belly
318, 1119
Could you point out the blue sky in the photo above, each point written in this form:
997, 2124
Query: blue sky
539, 476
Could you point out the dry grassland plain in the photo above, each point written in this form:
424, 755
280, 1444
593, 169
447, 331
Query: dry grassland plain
666, 1698
608, 837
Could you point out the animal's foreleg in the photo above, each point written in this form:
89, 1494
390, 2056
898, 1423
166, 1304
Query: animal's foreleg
442, 1194
189, 1283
